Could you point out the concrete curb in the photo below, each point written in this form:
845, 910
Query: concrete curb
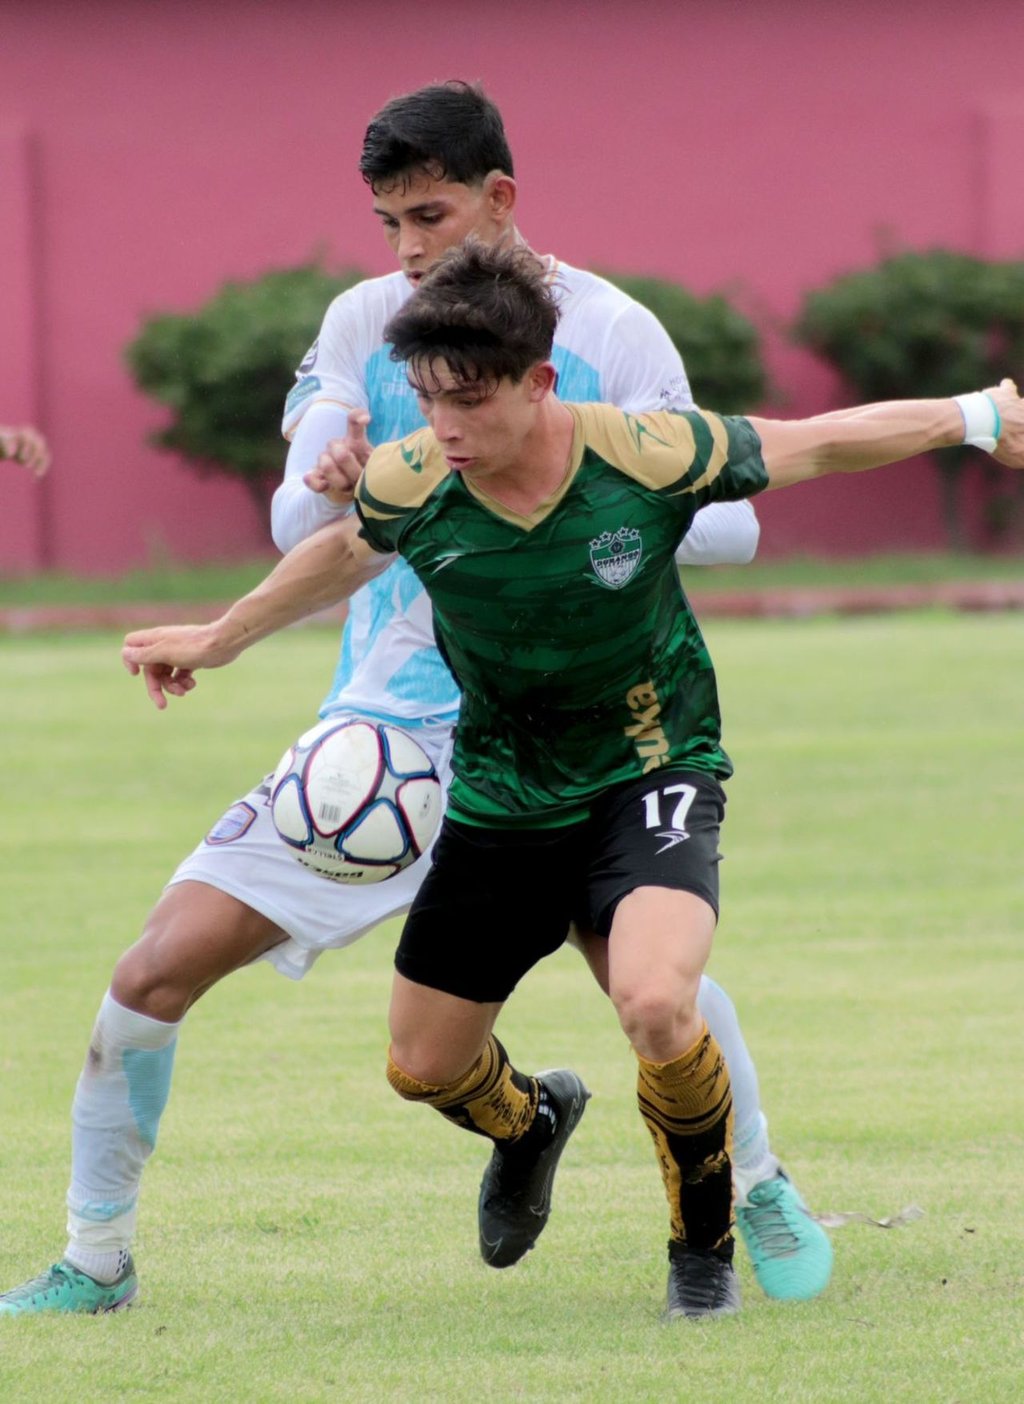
972, 596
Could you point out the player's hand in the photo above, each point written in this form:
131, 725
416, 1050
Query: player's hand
1010, 449
168, 656
163, 681
26, 446
339, 466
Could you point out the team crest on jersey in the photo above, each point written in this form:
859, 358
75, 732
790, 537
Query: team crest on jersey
232, 825
615, 556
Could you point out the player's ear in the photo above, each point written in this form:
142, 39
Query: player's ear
541, 380
500, 191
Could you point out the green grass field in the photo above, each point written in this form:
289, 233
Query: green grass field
177, 581
305, 1236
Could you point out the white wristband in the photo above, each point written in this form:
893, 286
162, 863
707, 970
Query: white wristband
981, 420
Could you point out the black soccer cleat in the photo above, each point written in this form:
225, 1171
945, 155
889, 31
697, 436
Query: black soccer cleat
515, 1192
700, 1284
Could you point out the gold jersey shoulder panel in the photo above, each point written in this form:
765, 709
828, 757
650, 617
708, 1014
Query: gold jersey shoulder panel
400, 477
660, 448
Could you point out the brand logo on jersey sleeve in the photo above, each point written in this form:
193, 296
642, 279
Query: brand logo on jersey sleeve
616, 555
413, 457
309, 385
676, 396
640, 430
309, 359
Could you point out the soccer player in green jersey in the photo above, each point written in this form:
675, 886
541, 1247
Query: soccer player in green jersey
589, 761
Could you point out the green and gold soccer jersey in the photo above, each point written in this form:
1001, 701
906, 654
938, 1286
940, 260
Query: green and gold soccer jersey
580, 662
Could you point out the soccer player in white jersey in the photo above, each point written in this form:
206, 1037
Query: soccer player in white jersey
439, 169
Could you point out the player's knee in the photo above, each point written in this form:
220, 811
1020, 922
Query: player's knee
144, 981
409, 1086
150, 978
417, 1070
654, 1016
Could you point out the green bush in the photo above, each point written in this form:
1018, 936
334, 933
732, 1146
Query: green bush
224, 370
720, 347
925, 324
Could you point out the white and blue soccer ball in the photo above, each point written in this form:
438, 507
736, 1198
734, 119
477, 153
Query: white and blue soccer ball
356, 801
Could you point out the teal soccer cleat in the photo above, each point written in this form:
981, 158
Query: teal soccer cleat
63, 1288
791, 1253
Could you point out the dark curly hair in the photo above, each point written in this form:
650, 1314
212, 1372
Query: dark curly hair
488, 313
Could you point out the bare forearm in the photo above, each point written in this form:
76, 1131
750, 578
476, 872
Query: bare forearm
317, 573
320, 571
850, 441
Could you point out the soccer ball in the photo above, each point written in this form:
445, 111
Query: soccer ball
356, 801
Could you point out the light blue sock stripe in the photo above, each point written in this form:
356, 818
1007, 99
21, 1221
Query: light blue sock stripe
148, 1071
99, 1211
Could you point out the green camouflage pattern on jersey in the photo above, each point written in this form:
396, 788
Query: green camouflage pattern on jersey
579, 659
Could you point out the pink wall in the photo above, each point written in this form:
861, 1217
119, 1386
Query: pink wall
147, 152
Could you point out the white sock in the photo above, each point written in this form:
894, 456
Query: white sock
752, 1161
103, 1267
118, 1102
750, 1134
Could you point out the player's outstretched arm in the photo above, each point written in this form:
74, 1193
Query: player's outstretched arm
327, 567
850, 441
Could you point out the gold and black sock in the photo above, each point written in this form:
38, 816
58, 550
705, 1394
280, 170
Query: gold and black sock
687, 1107
492, 1099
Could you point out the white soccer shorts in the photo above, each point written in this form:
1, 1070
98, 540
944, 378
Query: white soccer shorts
243, 856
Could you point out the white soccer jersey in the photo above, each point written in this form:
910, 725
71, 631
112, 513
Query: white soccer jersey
607, 347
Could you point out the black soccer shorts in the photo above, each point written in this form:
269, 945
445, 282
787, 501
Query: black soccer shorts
496, 901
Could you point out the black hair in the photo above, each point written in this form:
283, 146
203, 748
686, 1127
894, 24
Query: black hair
451, 130
486, 312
